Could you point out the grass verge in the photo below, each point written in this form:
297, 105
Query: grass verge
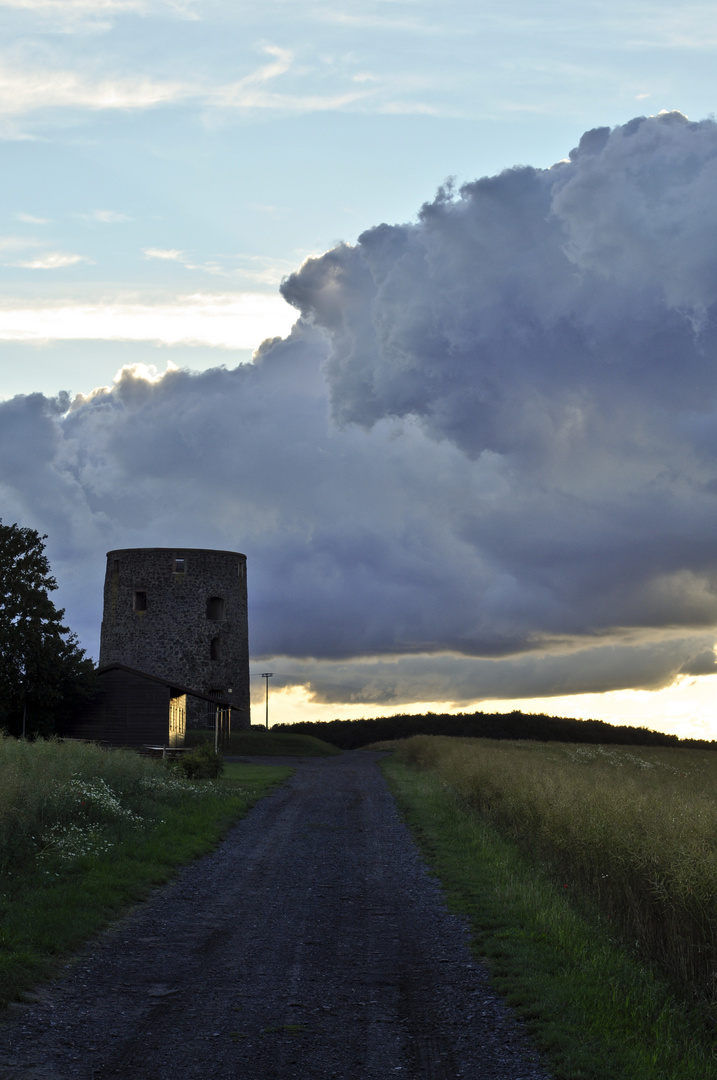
595, 1012
631, 832
51, 903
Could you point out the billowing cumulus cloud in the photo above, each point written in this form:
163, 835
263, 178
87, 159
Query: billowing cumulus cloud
483, 464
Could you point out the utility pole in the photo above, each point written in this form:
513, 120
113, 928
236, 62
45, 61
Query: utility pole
267, 675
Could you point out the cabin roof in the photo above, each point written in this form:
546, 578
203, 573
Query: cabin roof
170, 683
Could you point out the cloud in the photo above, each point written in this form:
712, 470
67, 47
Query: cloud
69, 11
73, 8
168, 254
25, 90
460, 681
31, 219
482, 464
75, 5
223, 321
104, 217
49, 260
173, 255
52, 260
18, 243
258, 269
279, 85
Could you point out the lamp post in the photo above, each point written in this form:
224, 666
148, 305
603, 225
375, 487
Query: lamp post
267, 675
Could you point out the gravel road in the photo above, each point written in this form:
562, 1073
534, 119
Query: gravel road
311, 944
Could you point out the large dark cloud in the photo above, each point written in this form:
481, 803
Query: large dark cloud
492, 434
522, 314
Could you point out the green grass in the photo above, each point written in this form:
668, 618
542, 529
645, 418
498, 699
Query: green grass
631, 831
93, 848
273, 743
594, 1009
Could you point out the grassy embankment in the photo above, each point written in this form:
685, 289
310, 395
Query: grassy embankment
590, 878
259, 742
84, 832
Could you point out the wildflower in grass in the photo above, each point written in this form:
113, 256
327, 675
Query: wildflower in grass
98, 796
73, 841
171, 784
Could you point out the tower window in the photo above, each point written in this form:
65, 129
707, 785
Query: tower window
140, 601
214, 649
215, 608
180, 564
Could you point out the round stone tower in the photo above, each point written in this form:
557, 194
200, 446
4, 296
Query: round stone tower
181, 614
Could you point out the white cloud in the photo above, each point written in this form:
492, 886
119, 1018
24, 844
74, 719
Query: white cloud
257, 269
48, 260
18, 243
104, 217
67, 10
23, 91
52, 260
168, 254
174, 255
75, 5
230, 320
380, 21
31, 219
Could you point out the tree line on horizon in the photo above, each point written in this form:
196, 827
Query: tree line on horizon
353, 734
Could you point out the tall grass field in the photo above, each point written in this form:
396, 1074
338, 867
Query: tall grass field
631, 833
85, 831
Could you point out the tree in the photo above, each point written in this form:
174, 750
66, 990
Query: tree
44, 674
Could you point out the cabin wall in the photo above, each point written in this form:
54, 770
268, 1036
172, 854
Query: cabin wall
128, 711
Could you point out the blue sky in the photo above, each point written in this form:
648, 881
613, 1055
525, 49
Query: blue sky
165, 166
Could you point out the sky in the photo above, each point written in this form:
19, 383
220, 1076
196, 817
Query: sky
411, 302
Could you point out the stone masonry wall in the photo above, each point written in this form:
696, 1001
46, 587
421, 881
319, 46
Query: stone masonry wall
180, 613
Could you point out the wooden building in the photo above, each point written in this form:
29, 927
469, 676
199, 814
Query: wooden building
135, 709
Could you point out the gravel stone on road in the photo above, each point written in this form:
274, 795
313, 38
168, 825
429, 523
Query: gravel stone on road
311, 945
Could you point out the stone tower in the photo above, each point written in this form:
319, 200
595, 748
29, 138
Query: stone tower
180, 613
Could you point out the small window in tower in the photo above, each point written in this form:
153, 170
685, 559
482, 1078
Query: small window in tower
115, 567
180, 564
140, 601
215, 608
214, 649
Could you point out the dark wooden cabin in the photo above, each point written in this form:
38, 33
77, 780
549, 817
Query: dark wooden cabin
135, 709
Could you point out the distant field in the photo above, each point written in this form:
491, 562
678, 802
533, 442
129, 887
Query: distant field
629, 832
274, 743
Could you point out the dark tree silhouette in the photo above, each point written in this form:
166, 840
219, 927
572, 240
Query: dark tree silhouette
351, 734
44, 673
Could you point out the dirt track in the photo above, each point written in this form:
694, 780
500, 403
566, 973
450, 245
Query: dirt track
312, 944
